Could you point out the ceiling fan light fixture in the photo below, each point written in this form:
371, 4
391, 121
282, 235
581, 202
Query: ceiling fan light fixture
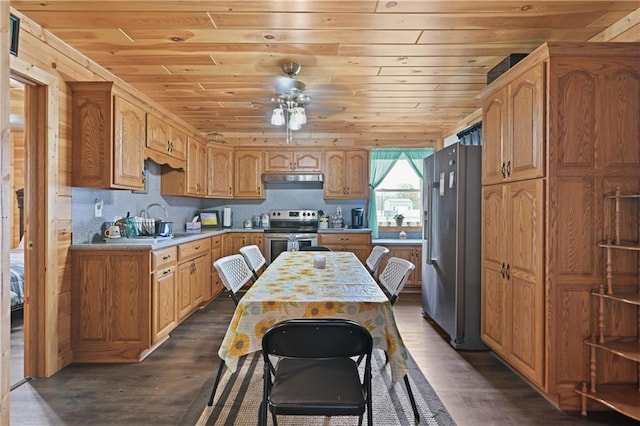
277, 117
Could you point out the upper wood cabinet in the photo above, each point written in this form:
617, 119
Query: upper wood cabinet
513, 123
108, 137
346, 174
166, 144
293, 161
191, 181
219, 175
196, 167
247, 182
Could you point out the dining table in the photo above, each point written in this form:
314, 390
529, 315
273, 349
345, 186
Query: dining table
307, 284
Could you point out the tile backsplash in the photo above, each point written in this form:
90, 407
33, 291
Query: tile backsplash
87, 228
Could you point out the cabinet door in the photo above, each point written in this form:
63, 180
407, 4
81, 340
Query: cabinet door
178, 144
111, 316
278, 161
196, 157
248, 176
200, 279
494, 139
495, 303
158, 135
334, 175
526, 125
219, 172
524, 274
216, 286
407, 253
307, 161
183, 292
164, 303
233, 241
357, 176
128, 146
416, 280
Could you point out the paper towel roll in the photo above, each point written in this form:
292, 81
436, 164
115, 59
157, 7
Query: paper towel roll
226, 217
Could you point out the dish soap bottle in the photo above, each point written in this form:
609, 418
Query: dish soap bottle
265, 220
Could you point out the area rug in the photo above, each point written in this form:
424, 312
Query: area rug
239, 395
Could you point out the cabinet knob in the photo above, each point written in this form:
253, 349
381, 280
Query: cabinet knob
507, 271
503, 170
502, 270
509, 168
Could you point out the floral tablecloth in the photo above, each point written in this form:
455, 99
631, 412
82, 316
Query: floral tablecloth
292, 288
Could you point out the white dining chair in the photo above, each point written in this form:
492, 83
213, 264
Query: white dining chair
394, 276
254, 258
234, 273
375, 258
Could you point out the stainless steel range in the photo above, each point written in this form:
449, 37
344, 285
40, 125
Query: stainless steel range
301, 225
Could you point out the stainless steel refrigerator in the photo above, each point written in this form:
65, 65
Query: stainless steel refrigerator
451, 243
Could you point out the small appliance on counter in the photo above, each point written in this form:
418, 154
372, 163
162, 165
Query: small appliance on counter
227, 220
357, 218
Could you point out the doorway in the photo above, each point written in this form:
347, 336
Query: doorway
17, 137
40, 185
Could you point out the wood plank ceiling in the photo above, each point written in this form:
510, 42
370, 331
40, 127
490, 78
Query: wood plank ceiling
392, 72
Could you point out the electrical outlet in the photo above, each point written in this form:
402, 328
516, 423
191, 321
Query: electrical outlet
98, 208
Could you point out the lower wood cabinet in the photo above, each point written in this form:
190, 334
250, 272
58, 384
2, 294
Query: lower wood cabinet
233, 241
216, 287
412, 253
163, 293
194, 271
111, 306
357, 242
126, 302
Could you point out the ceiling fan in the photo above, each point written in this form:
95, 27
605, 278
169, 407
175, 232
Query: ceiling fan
290, 89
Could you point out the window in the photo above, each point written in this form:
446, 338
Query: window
399, 192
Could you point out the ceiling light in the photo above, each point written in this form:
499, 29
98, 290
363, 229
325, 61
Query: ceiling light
291, 97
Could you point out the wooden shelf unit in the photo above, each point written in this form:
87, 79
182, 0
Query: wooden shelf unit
622, 397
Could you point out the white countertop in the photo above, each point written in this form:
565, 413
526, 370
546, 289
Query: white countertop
396, 242
153, 244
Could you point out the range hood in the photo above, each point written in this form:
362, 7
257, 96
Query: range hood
293, 180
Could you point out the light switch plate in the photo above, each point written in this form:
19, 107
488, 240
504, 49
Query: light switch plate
97, 205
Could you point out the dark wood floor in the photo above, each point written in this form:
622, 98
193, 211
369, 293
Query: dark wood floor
476, 388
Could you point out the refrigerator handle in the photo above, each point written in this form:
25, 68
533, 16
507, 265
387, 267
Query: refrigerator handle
428, 217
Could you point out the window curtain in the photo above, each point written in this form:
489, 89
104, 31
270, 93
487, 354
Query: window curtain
381, 162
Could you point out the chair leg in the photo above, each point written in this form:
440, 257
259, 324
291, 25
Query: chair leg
215, 384
413, 401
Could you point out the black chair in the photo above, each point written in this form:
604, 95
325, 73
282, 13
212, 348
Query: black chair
316, 373
314, 248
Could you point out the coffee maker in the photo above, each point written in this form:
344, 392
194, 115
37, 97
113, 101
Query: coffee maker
357, 218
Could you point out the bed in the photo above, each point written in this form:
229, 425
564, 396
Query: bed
17, 260
17, 279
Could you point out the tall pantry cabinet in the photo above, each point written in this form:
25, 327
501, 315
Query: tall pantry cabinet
559, 129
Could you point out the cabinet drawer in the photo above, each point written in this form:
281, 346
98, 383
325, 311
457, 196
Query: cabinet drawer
216, 242
163, 258
194, 248
344, 239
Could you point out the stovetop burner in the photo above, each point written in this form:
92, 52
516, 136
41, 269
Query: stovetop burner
293, 221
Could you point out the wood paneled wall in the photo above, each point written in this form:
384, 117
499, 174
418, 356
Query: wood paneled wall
47, 53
